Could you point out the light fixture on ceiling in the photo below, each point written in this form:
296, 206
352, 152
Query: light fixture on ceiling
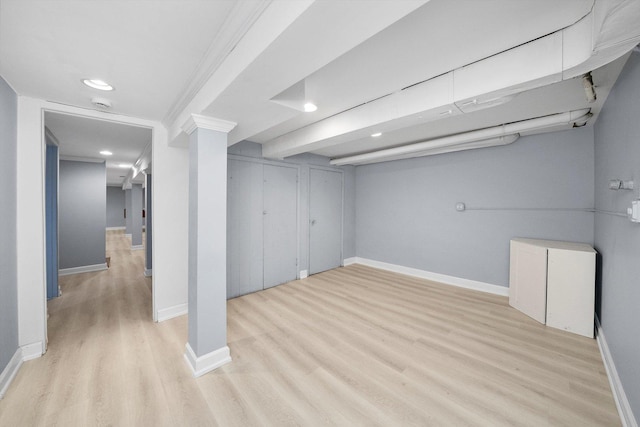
125, 165
497, 135
106, 153
98, 84
377, 134
310, 107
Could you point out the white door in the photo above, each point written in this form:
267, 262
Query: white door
325, 220
280, 219
528, 280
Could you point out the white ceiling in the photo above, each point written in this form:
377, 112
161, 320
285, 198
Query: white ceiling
84, 138
229, 59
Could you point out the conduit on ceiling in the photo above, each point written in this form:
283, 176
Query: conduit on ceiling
481, 138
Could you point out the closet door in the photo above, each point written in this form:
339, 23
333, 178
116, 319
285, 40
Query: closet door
244, 227
528, 279
325, 220
280, 220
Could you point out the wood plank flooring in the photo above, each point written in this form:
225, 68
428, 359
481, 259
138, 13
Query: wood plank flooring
352, 346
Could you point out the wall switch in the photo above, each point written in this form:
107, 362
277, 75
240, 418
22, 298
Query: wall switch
634, 211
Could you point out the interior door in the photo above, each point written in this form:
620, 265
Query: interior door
244, 227
280, 221
325, 220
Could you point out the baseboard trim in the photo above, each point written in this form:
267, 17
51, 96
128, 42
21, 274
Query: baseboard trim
148, 272
116, 228
171, 312
436, 277
82, 269
137, 247
207, 363
10, 372
32, 351
349, 261
127, 234
304, 274
622, 403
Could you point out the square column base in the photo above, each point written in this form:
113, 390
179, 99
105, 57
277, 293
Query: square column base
207, 363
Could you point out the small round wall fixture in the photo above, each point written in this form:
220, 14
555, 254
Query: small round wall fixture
97, 84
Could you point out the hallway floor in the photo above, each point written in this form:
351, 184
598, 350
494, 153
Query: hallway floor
351, 346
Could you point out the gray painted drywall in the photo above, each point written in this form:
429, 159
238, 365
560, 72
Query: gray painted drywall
305, 161
115, 207
207, 241
148, 257
82, 213
8, 257
136, 215
405, 210
617, 149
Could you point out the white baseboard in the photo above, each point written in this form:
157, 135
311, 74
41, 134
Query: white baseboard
148, 272
137, 247
304, 274
349, 261
116, 228
82, 269
32, 351
171, 312
207, 363
127, 234
622, 403
436, 277
10, 372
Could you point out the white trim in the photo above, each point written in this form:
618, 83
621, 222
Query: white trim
115, 228
127, 234
82, 269
349, 261
137, 247
304, 274
207, 363
32, 351
622, 403
203, 122
171, 312
10, 372
436, 277
148, 272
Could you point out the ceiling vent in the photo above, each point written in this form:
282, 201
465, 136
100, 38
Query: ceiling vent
101, 103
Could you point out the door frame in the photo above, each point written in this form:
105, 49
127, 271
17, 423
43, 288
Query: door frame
329, 169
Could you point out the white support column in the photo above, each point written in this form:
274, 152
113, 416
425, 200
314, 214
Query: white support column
207, 342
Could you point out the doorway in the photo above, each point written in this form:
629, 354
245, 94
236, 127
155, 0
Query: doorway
325, 219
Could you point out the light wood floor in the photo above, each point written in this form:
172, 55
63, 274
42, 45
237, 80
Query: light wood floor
353, 346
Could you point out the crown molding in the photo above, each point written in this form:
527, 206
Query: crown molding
204, 122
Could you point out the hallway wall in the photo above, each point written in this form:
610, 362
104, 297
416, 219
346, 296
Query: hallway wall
115, 206
8, 257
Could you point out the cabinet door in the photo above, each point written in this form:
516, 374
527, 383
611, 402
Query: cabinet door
528, 280
571, 291
280, 217
244, 228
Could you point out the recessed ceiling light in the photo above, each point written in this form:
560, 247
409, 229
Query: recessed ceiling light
125, 165
106, 153
309, 107
377, 134
97, 84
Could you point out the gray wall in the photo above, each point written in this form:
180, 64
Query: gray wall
617, 147
405, 210
82, 214
115, 207
8, 259
250, 149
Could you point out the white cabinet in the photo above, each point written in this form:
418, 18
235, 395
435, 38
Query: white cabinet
554, 283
